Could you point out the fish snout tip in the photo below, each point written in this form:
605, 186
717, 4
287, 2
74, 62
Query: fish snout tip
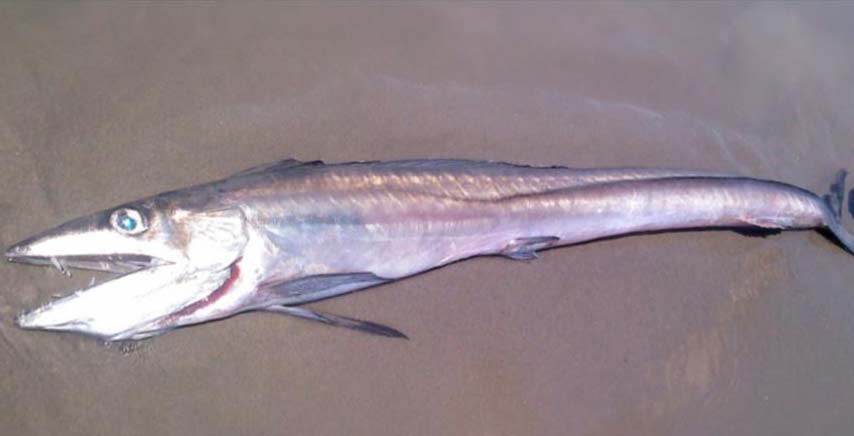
25, 320
17, 250
37, 319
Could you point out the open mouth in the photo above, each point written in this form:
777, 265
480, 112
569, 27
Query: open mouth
166, 269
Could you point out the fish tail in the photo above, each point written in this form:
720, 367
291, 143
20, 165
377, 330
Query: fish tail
834, 200
851, 202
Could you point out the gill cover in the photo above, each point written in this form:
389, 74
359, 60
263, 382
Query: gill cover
213, 238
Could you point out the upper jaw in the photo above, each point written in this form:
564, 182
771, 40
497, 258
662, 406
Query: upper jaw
18, 250
23, 252
89, 248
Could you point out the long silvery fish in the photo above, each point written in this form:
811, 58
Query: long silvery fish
278, 236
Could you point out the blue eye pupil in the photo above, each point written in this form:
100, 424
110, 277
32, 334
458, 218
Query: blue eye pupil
127, 223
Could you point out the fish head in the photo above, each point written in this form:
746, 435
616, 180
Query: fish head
167, 256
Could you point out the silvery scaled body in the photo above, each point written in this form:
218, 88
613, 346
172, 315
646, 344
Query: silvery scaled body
279, 236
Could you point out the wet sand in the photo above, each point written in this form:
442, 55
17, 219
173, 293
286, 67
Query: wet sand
701, 333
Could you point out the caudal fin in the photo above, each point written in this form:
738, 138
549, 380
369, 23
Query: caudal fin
851, 202
835, 199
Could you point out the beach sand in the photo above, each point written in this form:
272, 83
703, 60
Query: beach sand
700, 333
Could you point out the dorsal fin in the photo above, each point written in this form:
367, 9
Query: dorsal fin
277, 166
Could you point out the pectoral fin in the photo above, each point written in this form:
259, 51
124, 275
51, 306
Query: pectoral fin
319, 287
338, 321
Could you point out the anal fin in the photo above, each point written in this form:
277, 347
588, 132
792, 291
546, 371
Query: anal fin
526, 248
769, 222
338, 321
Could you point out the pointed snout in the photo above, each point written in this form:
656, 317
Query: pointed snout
92, 243
42, 246
22, 252
21, 249
81, 237
84, 236
64, 240
30, 320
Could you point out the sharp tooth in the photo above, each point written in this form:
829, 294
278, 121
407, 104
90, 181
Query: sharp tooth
56, 263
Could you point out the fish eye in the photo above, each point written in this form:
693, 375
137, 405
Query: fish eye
128, 221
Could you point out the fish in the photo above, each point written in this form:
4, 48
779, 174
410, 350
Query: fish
276, 237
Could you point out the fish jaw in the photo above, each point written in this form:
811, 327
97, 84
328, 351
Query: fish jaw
91, 242
119, 308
